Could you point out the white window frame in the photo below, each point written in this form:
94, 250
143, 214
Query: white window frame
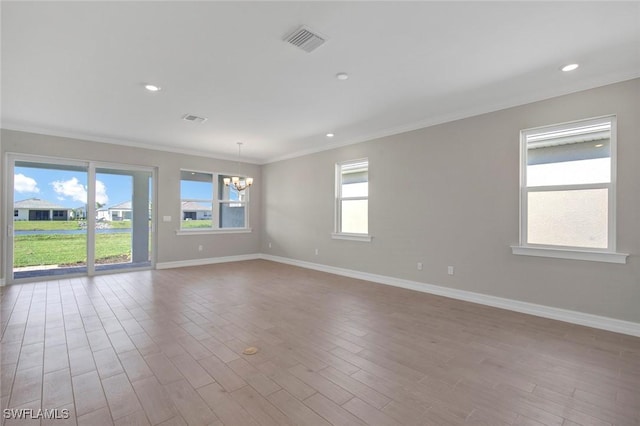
338, 234
215, 207
244, 202
608, 254
9, 163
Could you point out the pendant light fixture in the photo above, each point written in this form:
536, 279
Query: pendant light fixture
239, 183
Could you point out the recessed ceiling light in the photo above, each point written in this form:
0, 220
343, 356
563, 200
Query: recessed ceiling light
569, 67
152, 87
330, 135
342, 76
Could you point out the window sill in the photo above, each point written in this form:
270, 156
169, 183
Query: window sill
351, 237
213, 231
594, 256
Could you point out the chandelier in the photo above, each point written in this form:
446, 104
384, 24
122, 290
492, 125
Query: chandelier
238, 183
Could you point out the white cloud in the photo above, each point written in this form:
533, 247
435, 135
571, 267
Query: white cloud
22, 183
78, 192
70, 188
101, 193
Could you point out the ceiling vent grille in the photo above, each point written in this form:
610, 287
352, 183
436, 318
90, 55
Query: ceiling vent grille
305, 39
193, 118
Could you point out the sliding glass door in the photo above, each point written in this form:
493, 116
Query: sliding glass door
49, 220
123, 227
70, 217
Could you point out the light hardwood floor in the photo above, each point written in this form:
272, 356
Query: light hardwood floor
165, 347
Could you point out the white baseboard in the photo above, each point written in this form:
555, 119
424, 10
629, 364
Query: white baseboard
207, 261
574, 317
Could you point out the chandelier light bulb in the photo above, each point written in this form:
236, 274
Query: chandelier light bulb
238, 184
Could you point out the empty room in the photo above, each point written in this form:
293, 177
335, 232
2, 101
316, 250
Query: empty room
320, 213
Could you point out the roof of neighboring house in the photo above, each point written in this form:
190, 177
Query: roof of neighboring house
190, 206
37, 203
121, 206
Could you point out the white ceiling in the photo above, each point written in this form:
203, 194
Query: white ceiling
77, 68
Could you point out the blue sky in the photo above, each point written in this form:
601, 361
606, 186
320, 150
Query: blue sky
69, 188
196, 190
193, 190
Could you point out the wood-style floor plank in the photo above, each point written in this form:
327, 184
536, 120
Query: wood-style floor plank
166, 348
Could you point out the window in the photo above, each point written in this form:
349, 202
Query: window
15, 213
196, 200
352, 200
568, 187
232, 205
202, 210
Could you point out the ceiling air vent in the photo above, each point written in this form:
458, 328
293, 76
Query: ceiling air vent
194, 118
305, 39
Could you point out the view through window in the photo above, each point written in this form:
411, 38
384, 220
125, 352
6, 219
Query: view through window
568, 190
352, 198
207, 203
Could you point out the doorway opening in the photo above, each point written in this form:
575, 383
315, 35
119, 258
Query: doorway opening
74, 217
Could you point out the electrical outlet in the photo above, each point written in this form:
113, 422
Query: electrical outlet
450, 270
419, 266
317, 251
200, 247
269, 245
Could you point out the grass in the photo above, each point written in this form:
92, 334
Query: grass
61, 225
60, 249
194, 224
45, 225
65, 249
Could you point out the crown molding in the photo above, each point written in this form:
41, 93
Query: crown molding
69, 134
512, 102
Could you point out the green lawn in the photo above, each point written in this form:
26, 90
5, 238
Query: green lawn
45, 225
60, 249
194, 224
56, 225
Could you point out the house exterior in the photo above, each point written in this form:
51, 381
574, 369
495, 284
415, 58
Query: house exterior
121, 211
80, 213
195, 211
117, 212
37, 209
102, 214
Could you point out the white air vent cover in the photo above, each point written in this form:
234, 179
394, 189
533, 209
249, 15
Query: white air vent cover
194, 118
305, 39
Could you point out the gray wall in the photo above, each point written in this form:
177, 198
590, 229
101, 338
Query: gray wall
448, 195
457, 188
171, 247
